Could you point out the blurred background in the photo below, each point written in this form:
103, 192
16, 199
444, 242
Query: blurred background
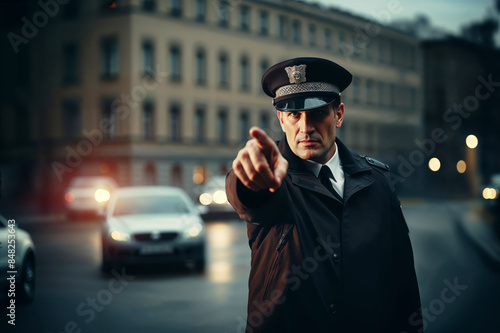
148, 93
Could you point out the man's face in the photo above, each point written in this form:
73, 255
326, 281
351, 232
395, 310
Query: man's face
311, 134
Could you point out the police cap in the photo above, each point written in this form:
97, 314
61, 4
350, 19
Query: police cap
301, 84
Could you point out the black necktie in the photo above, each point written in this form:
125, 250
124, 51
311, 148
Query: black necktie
325, 174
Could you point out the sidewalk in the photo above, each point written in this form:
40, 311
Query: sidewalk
480, 231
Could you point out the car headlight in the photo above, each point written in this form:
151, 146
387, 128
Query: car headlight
490, 193
205, 199
120, 236
220, 197
193, 231
102, 195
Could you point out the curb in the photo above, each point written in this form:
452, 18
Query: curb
482, 235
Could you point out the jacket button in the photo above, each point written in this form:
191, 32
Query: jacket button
333, 309
336, 258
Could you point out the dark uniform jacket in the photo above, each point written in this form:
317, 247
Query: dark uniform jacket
320, 264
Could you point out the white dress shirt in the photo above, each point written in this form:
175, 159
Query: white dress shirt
335, 166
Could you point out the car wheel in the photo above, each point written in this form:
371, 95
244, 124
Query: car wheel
27, 281
200, 265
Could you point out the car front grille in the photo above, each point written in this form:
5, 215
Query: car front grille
148, 237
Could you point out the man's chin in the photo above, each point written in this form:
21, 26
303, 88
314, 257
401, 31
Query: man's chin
309, 154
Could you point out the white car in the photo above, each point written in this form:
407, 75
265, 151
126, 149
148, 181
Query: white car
88, 194
17, 254
152, 225
212, 195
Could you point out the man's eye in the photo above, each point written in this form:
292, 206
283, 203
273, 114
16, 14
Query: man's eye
293, 114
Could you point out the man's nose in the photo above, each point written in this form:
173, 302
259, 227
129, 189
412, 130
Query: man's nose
306, 124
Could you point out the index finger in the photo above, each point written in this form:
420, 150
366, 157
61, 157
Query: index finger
263, 140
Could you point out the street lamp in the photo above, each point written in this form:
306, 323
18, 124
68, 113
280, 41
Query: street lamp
434, 164
471, 141
471, 160
461, 166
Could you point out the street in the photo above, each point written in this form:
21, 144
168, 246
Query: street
459, 287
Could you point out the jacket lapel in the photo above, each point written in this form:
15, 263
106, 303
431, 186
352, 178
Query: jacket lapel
355, 171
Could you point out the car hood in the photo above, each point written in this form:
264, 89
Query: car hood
154, 222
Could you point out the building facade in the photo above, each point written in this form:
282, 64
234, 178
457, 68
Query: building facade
164, 92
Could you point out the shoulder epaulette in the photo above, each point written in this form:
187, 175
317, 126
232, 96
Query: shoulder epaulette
376, 163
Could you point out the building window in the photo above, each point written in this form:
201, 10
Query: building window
176, 179
200, 9
264, 65
148, 5
175, 63
176, 8
108, 118
71, 118
244, 126
264, 120
341, 37
296, 32
200, 67
263, 23
312, 35
369, 92
147, 58
328, 39
355, 90
392, 95
149, 174
223, 71
223, 13
413, 98
199, 125
222, 127
281, 26
109, 57
245, 18
147, 120
381, 94
71, 63
175, 123
244, 74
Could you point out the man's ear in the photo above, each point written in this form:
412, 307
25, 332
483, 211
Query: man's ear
280, 117
340, 115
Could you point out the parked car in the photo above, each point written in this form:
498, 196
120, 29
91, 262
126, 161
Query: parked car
491, 197
152, 225
212, 195
88, 195
23, 260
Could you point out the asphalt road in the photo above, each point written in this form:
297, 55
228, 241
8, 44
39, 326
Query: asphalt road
460, 289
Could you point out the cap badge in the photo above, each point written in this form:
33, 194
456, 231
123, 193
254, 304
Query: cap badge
296, 74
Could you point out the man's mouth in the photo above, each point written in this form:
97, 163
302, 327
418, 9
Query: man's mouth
308, 143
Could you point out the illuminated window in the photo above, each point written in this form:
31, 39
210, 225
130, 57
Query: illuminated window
199, 174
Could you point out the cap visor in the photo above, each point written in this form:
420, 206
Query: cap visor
304, 103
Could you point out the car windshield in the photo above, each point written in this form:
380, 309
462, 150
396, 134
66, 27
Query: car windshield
162, 204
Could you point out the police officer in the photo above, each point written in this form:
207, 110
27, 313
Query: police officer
330, 246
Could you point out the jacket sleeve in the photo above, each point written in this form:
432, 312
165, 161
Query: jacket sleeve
406, 312
257, 207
